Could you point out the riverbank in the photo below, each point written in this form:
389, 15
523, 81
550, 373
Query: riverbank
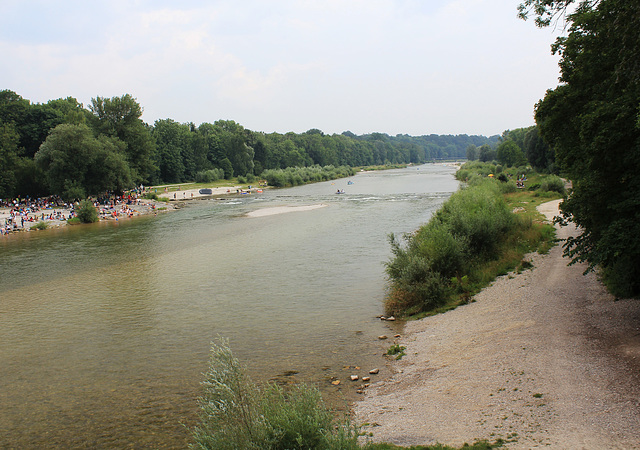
55, 217
545, 358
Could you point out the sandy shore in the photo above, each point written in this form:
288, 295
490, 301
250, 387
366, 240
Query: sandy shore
546, 358
188, 194
141, 208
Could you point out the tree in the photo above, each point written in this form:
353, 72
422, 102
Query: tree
472, 152
8, 159
510, 154
486, 153
120, 117
77, 164
538, 153
592, 122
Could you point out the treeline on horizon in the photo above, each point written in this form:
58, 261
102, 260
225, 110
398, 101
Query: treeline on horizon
64, 148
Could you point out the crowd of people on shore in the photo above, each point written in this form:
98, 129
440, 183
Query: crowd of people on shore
20, 214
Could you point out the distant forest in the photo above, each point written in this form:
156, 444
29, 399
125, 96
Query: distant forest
62, 147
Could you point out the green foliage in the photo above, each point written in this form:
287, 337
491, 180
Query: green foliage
119, 118
478, 215
591, 121
237, 414
553, 183
470, 240
39, 226
397, 350
295, 176
209, 176
77, 164
510, 154
86, 212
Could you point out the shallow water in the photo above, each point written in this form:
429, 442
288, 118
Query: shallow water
105, 329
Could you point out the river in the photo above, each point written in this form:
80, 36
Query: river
105, 329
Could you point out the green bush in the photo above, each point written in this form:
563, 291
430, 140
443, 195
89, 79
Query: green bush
209, 176
553, 183
469, 229
39, 226
236, 414
478, 214
86, 212
295, 176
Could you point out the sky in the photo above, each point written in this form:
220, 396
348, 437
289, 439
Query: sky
392, 66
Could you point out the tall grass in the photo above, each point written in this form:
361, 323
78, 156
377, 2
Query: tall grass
237, 414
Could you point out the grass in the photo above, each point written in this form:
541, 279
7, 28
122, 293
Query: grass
39, 226
397, 350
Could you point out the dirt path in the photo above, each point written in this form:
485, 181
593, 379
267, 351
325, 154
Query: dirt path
545, 359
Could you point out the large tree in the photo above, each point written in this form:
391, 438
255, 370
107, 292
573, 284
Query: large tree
592, 121
77, 164
120, 117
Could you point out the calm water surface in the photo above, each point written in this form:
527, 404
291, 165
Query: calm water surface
105, 329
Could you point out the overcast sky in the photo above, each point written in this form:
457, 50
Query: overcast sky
392, 66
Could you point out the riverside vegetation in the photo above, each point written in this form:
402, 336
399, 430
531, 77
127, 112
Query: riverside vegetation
236, 413
483, 231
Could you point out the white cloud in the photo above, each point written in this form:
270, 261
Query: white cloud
396, 66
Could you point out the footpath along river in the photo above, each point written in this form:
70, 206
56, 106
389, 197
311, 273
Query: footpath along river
105, 329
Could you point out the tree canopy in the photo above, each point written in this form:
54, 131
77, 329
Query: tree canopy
592, 122
113, 134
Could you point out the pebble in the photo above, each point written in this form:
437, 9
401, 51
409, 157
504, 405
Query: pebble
354, 377
384, 336
374, 371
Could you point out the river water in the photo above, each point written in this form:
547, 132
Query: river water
105, 329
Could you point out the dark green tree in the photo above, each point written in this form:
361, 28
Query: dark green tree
472, 152
120, 117
76, 164
486, 153
510, 154
8, 159
591, 120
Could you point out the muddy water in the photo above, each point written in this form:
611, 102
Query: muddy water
105, 329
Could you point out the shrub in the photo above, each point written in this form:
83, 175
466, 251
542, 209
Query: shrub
86, 212
479, 215
39, 226
236, 414
209, 176
553, 183
397, 350
242, 180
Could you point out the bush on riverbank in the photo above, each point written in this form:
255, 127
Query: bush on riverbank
86, 212
296, 176
236, 413
474, 237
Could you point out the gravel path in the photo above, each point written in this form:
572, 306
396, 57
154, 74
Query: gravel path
545, 358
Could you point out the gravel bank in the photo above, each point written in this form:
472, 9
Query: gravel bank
546, 358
